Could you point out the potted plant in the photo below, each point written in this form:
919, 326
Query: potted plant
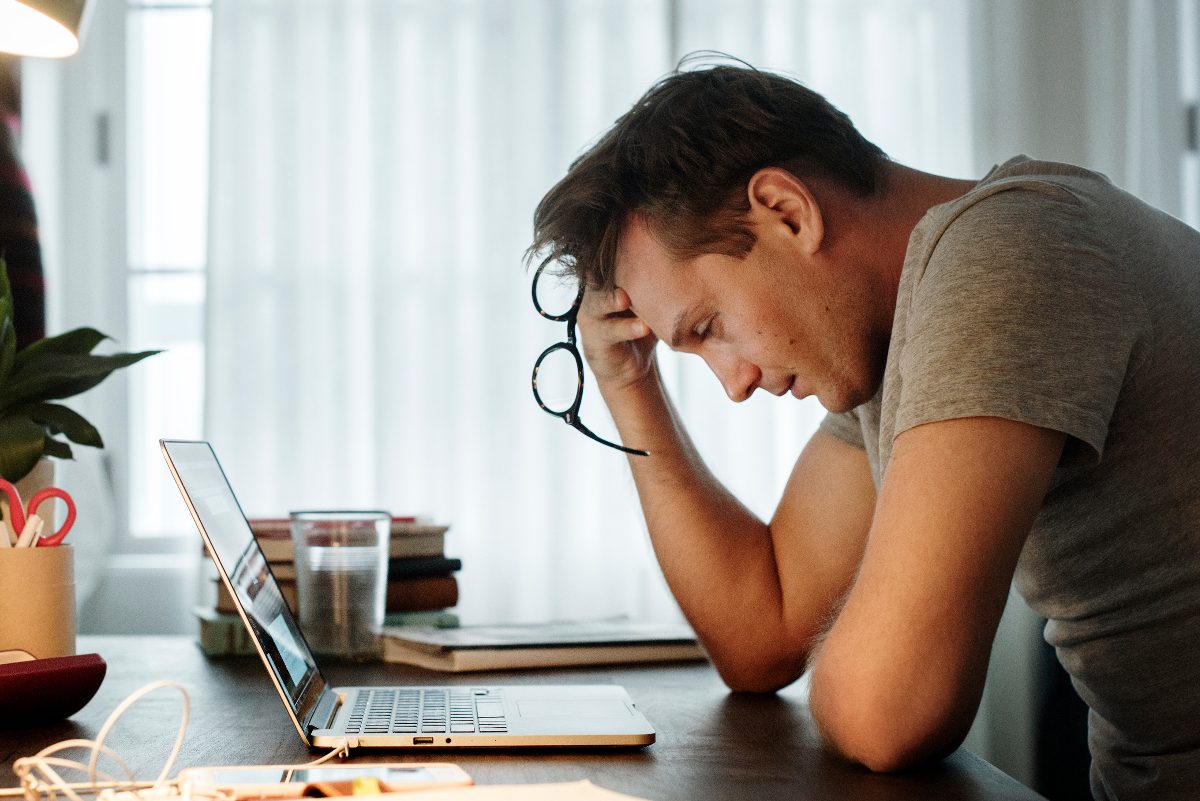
47, 370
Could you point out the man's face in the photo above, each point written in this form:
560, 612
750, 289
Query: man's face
779, 319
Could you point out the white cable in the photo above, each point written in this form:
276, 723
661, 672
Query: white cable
120, 710
41, 782
43, 762
341, 750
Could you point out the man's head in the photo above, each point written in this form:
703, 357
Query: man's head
680, 160
701, 204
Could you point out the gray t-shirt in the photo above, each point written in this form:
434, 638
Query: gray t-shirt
1048, 296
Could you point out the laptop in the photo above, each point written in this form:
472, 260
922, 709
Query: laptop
451, 716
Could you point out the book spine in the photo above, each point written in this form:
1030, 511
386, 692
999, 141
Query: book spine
421, 593
412, 566
467, 660
439, 618
223, 635
427, 543
287, 589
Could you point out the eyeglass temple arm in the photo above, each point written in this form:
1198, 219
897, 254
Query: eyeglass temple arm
582, 429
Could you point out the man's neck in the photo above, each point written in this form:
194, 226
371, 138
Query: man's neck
887, 220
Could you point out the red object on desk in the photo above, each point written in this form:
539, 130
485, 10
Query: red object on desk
41, 691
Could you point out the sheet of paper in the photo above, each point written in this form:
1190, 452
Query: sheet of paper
566, 791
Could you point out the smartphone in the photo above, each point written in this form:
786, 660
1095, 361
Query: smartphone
292, 781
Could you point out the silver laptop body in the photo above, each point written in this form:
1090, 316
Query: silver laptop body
450, 716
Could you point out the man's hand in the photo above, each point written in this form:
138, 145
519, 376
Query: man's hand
619, 347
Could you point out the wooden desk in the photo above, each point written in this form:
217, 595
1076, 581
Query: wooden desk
711, 744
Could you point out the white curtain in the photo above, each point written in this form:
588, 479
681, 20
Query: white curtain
375, 168
1092, 82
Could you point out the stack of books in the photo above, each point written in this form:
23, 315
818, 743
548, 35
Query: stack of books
421, 582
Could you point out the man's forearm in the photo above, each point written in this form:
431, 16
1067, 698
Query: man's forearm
719, 559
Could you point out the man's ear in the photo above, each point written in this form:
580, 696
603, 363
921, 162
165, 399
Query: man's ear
779, 198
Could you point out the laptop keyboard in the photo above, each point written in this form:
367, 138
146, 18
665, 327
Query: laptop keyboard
453, 710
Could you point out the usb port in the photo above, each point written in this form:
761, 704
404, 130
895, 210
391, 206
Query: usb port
422, 741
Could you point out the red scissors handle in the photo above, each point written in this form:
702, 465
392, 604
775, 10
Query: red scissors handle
16, 511
44, 495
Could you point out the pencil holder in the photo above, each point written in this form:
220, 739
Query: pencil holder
37, 601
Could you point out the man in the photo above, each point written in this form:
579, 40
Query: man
1012, 372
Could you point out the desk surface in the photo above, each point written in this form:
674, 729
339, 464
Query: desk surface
711, 744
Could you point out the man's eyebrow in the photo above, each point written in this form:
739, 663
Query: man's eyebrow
679, 331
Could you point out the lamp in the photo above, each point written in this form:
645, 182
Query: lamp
49, 28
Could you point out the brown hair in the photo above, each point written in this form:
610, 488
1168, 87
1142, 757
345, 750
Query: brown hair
681, 159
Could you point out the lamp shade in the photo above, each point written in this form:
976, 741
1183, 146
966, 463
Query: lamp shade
50, 28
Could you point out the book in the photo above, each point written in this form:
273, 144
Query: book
408, 594
409, 566
219, 636
224, 634
541, 645
421, 593
410, 536
224, 602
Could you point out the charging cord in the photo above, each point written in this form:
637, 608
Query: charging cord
41, 781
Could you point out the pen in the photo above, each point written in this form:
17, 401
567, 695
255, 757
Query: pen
32, 530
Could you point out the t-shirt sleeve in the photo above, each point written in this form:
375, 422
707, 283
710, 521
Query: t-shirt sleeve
1020, 314
845, 426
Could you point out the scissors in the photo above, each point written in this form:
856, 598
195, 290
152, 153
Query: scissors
20, 513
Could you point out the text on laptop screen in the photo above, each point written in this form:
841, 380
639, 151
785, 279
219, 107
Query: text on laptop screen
242, 560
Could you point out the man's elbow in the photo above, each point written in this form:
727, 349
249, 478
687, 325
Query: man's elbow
759, 673
883, 735
889, 753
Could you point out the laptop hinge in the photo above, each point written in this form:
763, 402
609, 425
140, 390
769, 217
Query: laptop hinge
325, 711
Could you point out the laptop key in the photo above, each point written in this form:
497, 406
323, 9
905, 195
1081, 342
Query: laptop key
490, 709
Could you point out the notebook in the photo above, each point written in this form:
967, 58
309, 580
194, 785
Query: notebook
448, 716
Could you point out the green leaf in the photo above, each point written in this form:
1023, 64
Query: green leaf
8, 334
60, 419
58, 449
62, 376
6, 299
22, 442
79, 342
8, 347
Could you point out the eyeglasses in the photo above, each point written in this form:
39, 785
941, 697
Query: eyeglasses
556, 362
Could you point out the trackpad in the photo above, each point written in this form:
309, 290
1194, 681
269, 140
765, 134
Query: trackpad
573, 708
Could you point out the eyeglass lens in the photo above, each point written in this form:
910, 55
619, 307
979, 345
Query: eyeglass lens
558, 381
555, 296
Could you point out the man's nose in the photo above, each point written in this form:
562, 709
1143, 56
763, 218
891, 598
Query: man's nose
739, 377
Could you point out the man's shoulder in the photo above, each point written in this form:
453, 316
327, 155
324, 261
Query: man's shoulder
1021, 201
1026, 223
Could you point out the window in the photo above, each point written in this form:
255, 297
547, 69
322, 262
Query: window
167, 92
1189, 74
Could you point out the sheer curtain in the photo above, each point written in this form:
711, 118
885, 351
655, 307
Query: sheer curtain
1099, 83
375, 169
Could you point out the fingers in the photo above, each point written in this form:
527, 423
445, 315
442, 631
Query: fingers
607, 304
611, 313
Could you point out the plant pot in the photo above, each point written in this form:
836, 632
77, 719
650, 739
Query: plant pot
37, 607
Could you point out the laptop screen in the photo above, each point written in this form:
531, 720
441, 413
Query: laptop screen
239, 557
